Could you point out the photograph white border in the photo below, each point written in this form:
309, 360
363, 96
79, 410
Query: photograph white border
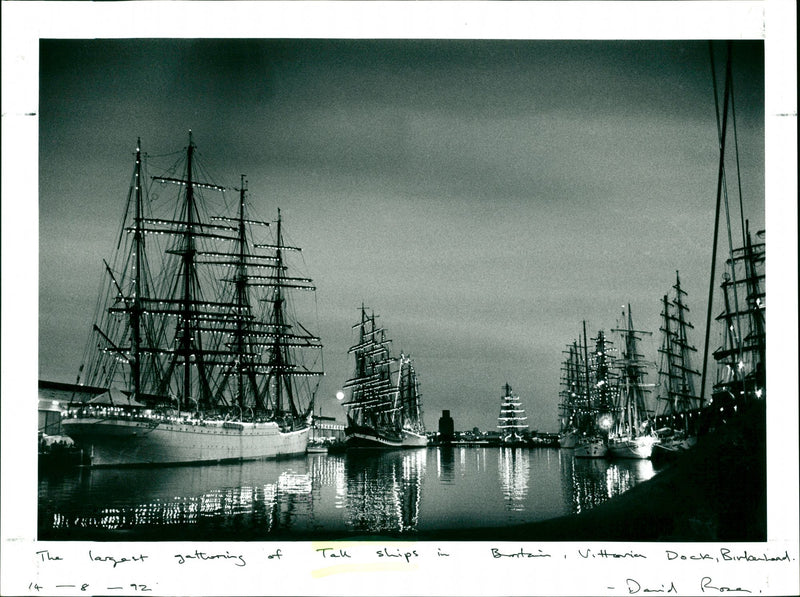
469, 571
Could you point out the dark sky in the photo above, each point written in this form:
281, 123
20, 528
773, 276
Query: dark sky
484, 197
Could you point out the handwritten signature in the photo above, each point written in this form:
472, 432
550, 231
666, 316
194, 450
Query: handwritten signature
634, 586
707, 585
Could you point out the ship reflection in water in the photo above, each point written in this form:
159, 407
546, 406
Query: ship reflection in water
383, 493
395, 493
514, 468
595, 480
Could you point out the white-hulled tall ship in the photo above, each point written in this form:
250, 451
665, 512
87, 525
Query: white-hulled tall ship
632, 435
381, 412
512, 420
198, 332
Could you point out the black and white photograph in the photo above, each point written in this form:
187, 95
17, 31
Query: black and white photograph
406, 293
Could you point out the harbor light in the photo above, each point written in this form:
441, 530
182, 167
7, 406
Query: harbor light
340, 395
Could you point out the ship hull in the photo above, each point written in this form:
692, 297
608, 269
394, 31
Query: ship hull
412, 439
568, 440
112, 442
628, 447
592, 447
514, 443
361, 439
671, 448
366, 437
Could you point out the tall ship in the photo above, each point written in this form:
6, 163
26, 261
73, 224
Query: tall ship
741, 354
599, 408
512, 420
384, 409
633, 434
679, 405
571, 382
410, 401
196, 332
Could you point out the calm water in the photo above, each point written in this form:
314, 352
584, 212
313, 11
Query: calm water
330, 496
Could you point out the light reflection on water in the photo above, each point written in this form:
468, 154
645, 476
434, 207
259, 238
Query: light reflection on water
514, 467
383, 490
360, 493
595, 480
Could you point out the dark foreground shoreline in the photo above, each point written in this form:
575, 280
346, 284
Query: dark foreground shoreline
716, 492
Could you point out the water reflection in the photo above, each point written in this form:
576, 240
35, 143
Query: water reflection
514, 469
337, 494
384, 489
592, 481
222, 498
445, 464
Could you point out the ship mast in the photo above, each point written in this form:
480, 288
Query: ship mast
586, 368
283, 336
374, 399
686, 387
408, 394
242, 332
632, 399
189, 278
721, 135
743, 348
571, 383
189, 334
262, 348
603, 400
138, 243
242, 302
676, 372
125, 340
278, 361
189, 307
755, 295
